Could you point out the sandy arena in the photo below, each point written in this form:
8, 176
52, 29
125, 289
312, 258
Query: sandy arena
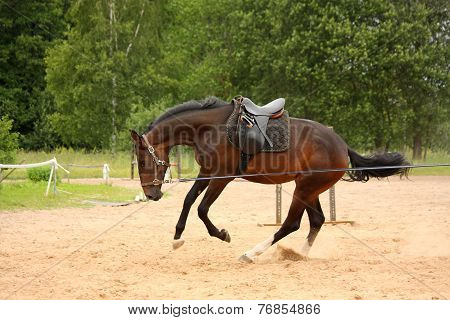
406, 222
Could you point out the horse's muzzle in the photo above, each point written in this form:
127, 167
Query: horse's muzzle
155, 197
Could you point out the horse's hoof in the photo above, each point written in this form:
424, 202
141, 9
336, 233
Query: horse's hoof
225, 235
177, 243
245, 259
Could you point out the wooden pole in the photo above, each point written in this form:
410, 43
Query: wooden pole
133, 161
68, 175
178, 162
54, 178
106, 173
49, 181
278, 189
332, 195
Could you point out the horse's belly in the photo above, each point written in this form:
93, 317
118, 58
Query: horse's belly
271, 179
273, 168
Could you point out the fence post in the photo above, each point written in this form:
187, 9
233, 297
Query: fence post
50, 179
105, 173
332, 193
278, 202
178, 162
54, 177
133, 162
332, 197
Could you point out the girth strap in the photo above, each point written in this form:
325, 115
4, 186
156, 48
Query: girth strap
243, 162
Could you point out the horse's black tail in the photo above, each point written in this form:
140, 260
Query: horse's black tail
376, 160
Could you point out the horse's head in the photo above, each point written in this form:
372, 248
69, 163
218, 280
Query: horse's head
153, 161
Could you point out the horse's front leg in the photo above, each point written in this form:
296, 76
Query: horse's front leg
215, 188
198, 187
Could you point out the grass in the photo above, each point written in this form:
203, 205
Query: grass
120, 163
434, 157
30, 195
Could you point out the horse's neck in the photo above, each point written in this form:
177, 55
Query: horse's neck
184, 128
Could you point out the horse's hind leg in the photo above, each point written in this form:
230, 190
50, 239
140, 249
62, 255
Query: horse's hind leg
316, 220
291, 224
198, 187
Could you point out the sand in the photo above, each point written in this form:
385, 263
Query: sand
399, 247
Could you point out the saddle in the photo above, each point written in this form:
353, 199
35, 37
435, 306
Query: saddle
273, 109
252, 126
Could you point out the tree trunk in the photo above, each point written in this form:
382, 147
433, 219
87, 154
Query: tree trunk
113, 81
390, 131
113, 117
379, 142
136, 31
417, 147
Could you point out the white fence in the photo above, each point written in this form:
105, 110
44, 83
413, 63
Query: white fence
54, 168
105, 167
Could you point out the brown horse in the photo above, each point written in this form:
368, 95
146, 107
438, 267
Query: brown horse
201, 125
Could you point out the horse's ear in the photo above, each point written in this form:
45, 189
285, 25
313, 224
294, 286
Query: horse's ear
135, 136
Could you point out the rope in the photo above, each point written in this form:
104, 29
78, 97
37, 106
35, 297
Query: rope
26, 166
306, 172
51, 162
82, 166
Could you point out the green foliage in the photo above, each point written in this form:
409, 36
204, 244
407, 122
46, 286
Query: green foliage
39, 174
377, 71
97, 73
373, 70
8, 141
27, 30
197, 49
140, 118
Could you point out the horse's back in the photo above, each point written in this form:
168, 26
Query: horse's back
317, 128
322, 140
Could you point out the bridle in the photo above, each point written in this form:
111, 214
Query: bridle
158, 162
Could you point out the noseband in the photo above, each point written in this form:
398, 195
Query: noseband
157, 161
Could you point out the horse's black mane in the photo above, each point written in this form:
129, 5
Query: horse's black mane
210, 102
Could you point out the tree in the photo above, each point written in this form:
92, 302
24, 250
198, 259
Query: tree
314, 53
197, 47
104, 67
422, 72
376, 70
8, 141
27, 30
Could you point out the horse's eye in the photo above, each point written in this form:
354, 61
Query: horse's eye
142, 163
